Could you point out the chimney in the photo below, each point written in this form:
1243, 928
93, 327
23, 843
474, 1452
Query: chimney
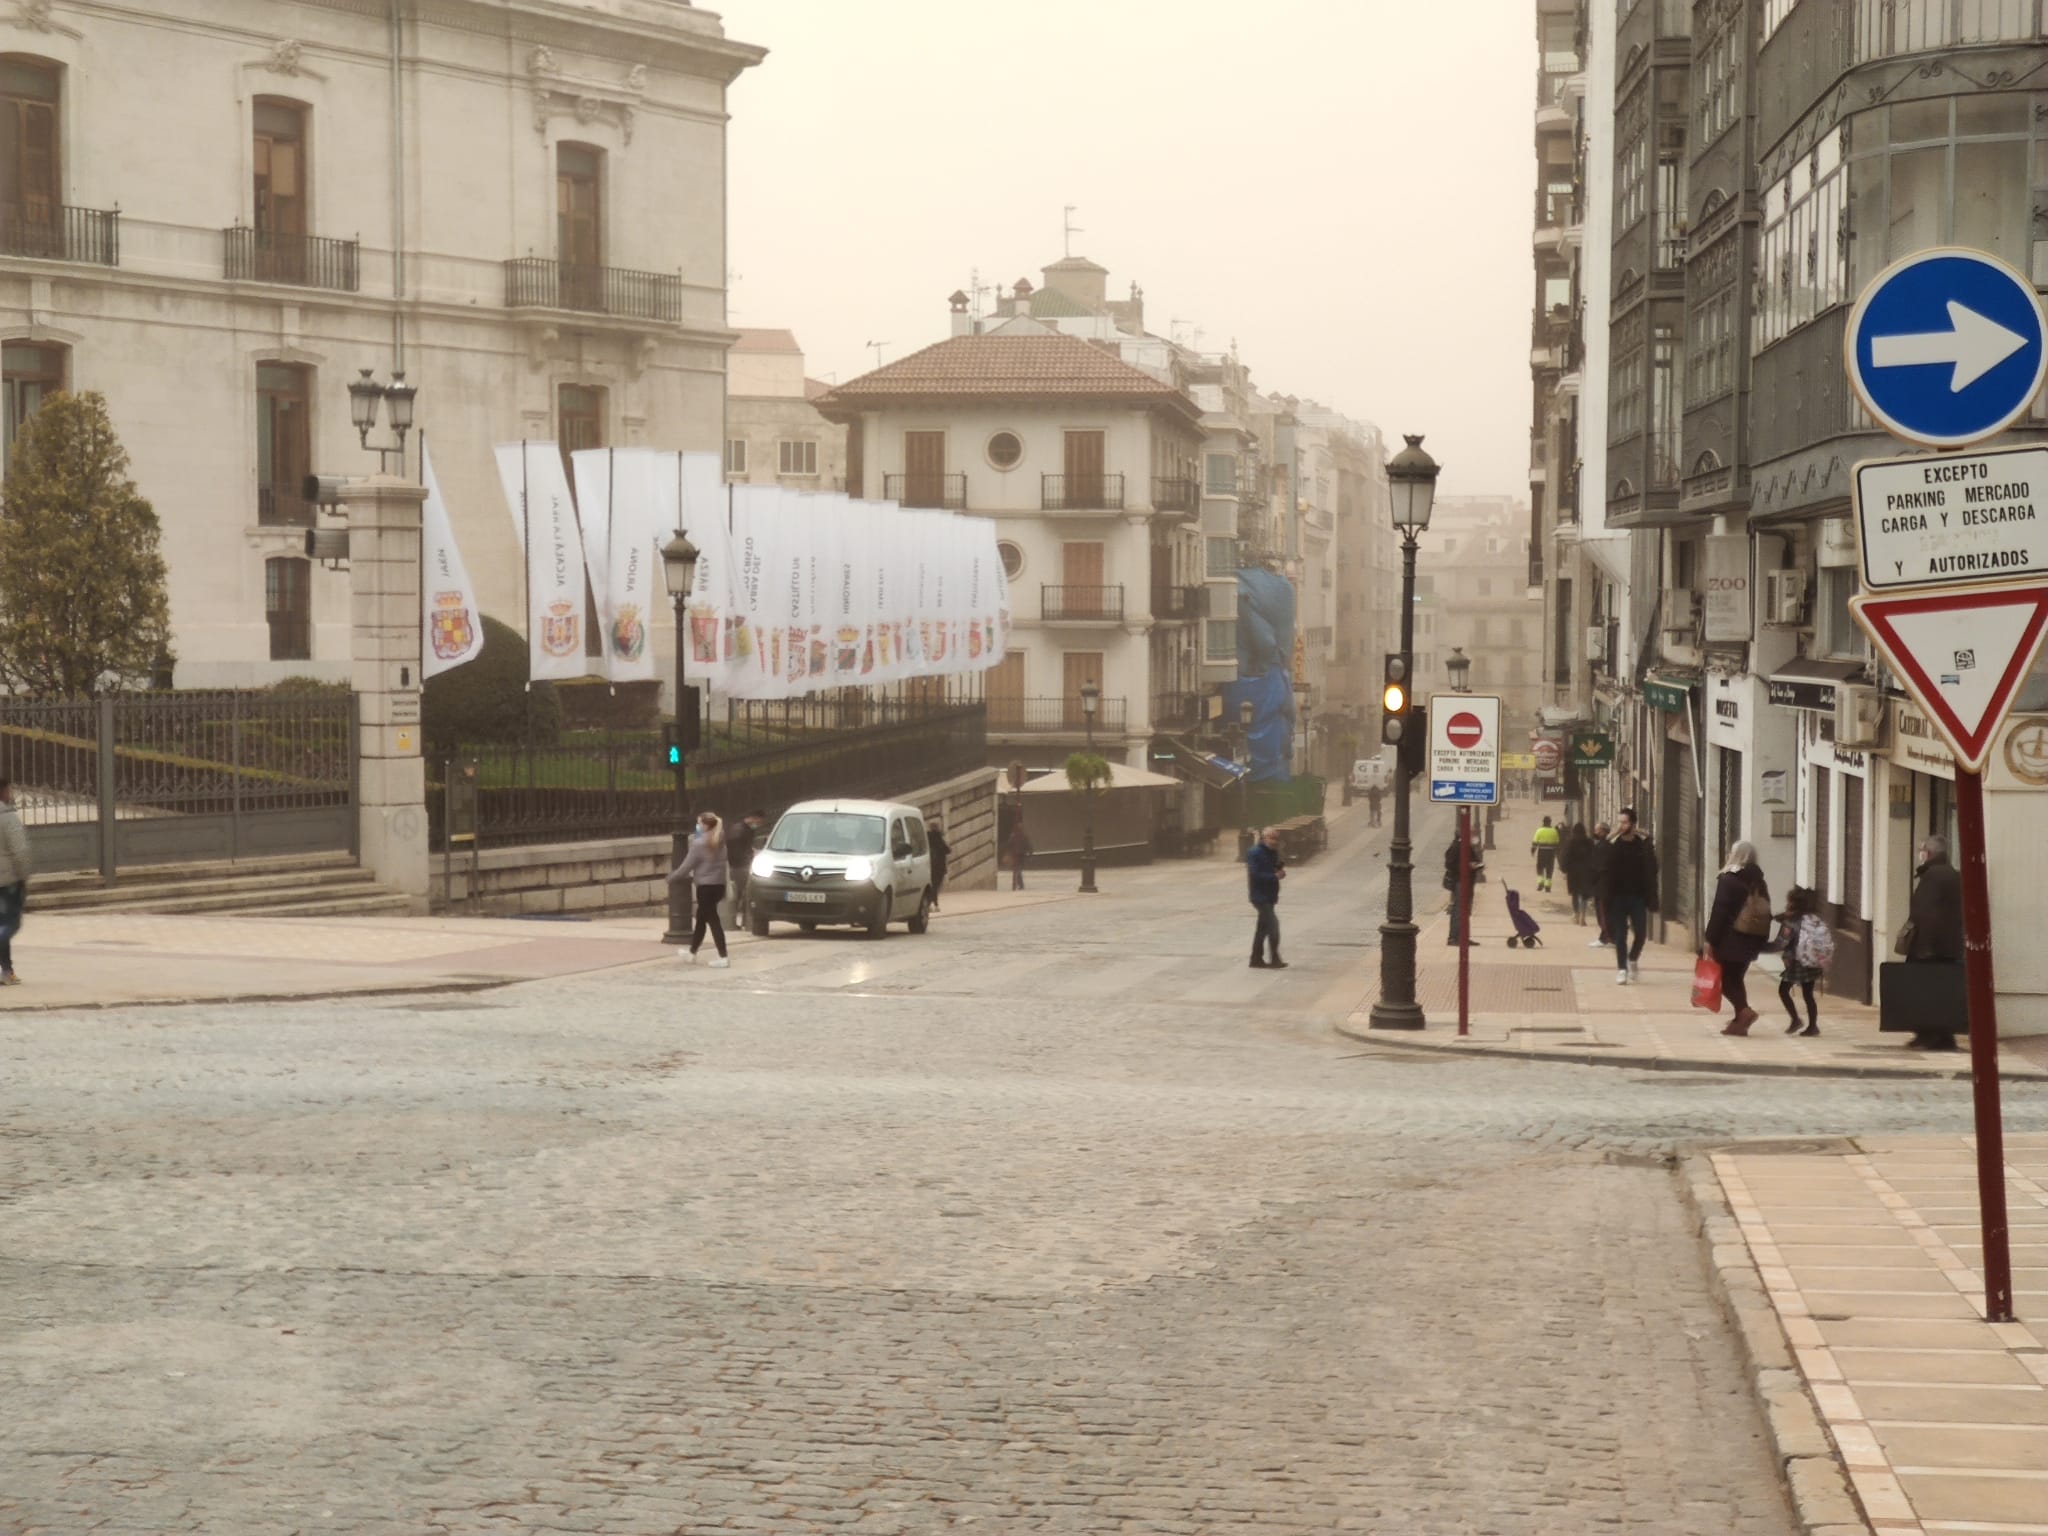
963, 323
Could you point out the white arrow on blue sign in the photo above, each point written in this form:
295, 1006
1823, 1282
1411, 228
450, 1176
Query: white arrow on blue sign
1947, 347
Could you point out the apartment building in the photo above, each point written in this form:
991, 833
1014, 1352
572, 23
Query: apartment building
520, 206
774, 434
1473, 594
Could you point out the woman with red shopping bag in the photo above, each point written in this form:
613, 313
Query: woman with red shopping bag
1737, 931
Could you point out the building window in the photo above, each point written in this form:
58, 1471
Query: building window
1220, 640
1005, 450
1717, 80
1632, 173
1222, 556
282, 192
1221, 472
1837, 632
1775, 11
284, 444
1887, 27
579, 206
579, 424
1664, 406
33, 374
30, 167
1013, 558
1709, 351
1625, 408
735, 455
288, 604
1560, 44
796, 456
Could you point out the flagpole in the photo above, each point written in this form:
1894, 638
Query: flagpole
526, 551
611, 491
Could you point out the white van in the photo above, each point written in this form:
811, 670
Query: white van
1369, 772
866, 863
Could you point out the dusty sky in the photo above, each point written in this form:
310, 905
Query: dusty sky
1343, 186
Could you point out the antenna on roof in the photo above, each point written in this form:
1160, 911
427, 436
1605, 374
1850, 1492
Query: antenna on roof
877, 345
1072, 229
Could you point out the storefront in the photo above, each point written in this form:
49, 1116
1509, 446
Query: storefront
1831, 796
1750, 751
1671, 698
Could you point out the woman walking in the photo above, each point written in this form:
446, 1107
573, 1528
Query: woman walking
1578, 871
705, 867
1736, 931
1807, 945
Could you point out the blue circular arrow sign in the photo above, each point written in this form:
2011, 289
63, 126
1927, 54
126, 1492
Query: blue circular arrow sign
1947, 347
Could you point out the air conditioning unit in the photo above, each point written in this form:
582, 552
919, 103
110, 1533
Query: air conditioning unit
1596, 643
1784, 598
1681, 612
1859, 716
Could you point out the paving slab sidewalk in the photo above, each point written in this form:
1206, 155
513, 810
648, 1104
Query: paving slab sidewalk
1854, 1273
1561, 1001
124, 959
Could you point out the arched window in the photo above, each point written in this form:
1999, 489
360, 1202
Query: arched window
288, 604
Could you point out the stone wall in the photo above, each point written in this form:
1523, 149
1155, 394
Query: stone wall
629, 873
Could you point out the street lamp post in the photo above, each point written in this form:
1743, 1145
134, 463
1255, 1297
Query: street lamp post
1411, 480
1459, 666
366, 395
1246, 836
679, 571
1091, 699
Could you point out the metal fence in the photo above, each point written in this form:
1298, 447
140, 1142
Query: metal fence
610, 785
156, 778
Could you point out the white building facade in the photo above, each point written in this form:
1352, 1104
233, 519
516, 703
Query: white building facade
519, 204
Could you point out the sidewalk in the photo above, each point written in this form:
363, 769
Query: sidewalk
121, 959
1854, 1278
1560, 1002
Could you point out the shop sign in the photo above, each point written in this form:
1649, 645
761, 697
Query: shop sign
1725, 558
1727, 709
1917, 745
1775, 781
2026, 752
1551, 789
1592, 749
1844, 758
1668, 697
1802, 695
1525, 761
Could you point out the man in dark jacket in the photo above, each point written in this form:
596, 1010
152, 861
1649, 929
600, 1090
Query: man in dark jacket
1596, 875
1264, 870
741, 837
935, 836
1937, 917
1629, 885
1477, 869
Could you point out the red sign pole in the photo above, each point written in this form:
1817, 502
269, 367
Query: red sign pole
1464, 900
1983, 1000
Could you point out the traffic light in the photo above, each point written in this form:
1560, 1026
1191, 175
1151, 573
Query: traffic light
686, 732
1414, 748
1395, 706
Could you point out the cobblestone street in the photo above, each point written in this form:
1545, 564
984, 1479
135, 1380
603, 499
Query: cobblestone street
1056, 1219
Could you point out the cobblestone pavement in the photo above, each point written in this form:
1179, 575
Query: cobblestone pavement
1054, 1220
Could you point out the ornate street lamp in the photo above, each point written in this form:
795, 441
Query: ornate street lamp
1459, 665
1091, 700
679, 572
1411, 481
367, 397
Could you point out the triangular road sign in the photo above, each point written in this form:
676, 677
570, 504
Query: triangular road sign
1962, 653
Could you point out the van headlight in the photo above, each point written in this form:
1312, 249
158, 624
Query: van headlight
763, 866
860, 869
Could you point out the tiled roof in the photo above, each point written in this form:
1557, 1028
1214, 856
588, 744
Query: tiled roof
1009, 368
1050, 303
765, 341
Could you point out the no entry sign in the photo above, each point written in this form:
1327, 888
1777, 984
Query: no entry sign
1464, 749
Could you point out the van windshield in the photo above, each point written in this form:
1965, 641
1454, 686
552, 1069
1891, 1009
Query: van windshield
827, 832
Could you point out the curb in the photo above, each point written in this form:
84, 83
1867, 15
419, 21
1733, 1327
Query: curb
1815, 1480
1584, 1058
337, 994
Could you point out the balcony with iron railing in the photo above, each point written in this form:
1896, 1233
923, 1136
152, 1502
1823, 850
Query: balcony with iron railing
945, 492
1064, 717
1081, 493
1081, 605
52, 232
302, 261
539, 282
1180, 604
1176, 495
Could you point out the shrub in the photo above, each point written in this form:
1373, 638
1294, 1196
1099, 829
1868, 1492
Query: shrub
1085, 770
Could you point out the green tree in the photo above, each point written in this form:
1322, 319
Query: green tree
1086, 770
83, 605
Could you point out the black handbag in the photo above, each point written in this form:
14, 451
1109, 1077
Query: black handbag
1922, 996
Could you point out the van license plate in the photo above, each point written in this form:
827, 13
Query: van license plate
812, 896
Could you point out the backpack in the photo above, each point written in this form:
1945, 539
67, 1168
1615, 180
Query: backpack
1815, 946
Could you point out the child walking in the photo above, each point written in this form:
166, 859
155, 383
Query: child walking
1807, 945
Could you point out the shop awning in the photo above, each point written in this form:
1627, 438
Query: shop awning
1806, 682
1667, 691
1121, 776
1205, 767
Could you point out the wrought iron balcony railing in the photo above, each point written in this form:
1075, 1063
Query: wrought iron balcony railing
1178, 603
1062, 716
948, 492
1176, 495
50, 232
1081, 493
536, 282
1085, 604
283, 506
1176, 711
304, 261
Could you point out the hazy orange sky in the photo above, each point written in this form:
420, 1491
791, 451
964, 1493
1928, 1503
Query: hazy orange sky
1345, 187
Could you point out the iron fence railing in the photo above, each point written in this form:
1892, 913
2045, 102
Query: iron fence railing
926, 490
1176, 711
283, 506
50, 232
304, 261
620, 785
1063, 716
1174, 494
1180, 603
1081, 493
1082, 604
538, 282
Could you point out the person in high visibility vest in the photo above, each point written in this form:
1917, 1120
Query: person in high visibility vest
1544, 846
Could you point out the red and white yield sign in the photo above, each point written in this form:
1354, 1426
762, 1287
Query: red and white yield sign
1464, 748
1962, 652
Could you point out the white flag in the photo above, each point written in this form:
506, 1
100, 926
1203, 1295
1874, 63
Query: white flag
537, 491
449, 620
617, 494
